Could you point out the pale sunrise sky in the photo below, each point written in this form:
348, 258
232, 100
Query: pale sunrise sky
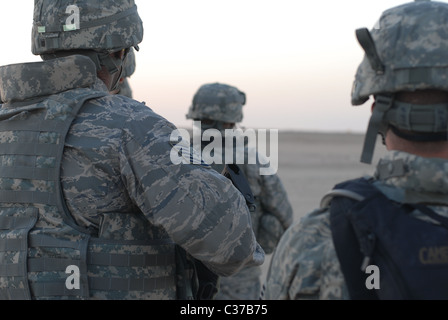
295, 60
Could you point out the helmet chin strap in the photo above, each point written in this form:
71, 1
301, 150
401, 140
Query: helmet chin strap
376, 125
115, 67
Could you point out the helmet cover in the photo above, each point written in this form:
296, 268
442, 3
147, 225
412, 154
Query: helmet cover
102, 26
219, 102
411, 41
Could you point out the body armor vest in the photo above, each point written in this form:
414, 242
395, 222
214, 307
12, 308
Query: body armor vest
371, 230
44, 254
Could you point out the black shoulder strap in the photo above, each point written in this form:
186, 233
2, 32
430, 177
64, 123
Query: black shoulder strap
349, 252
347, 247
430, 213
394, 240
239, 180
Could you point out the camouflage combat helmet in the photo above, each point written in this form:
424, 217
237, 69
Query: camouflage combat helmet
92, 28
406, 51
219, 102
107, 25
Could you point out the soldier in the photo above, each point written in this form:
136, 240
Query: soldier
220, 106
383, 237
92, 207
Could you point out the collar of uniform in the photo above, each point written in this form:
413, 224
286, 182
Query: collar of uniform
409, 178
20, 82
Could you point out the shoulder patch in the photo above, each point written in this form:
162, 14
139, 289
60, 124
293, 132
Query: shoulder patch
189, 154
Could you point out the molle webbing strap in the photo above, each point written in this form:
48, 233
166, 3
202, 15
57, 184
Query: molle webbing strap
13, 271
58, 289
47, 264
122, 284
376, 125
33, 140
46, 241
130, 260
28, 147
97, 258
26, 172
113, 268
105, 284
26, 197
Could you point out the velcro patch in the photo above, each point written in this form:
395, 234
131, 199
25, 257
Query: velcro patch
189, 154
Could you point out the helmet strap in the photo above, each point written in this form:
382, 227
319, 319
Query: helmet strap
115, 66
377, 125
420, 137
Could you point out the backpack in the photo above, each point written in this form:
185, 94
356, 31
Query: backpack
369, 229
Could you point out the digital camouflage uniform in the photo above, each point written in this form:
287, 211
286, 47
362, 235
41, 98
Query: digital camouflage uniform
273, 214
405, 51
118, 208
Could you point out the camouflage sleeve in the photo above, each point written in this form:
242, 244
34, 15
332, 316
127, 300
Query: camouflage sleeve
274, 200
199, 208
276, 212
304, 264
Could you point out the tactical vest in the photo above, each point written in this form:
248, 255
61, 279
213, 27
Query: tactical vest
371, 230
44, 254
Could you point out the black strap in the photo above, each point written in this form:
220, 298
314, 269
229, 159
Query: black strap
376, 125
348, 251
430, 213
208, 282
239, 180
